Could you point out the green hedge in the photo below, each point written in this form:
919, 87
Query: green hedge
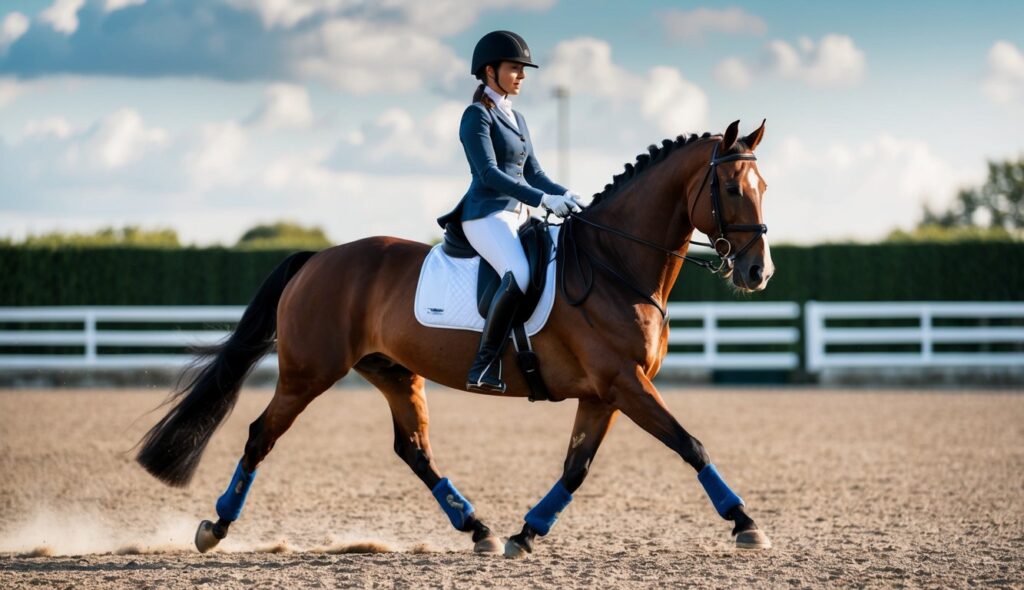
978, 271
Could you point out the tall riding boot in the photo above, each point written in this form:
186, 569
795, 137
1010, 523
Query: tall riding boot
485, 374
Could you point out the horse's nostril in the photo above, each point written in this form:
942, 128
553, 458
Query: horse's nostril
756, 274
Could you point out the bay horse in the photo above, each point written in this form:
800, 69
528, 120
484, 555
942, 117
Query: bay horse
351, 307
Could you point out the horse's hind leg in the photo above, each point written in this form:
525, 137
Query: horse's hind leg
292, 395
403, 390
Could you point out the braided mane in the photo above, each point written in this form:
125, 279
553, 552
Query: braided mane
643, 162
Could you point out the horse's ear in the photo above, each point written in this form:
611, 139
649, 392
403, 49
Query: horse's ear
755, 138
730, 136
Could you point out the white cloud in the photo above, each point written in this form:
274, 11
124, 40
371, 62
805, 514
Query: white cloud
672, 102
363, 57
62, 15
837, 191
834, 61
10, 89
1005, 81
116, 141
693, 26
112, 5
286, 106
216, 159
57, 127
12, 28
733, 73
664, 97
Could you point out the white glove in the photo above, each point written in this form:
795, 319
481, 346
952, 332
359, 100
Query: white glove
560, 205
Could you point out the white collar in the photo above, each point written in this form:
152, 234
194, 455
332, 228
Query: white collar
501, 101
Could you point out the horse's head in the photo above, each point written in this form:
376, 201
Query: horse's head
726, 206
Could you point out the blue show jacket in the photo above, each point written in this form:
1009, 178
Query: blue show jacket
504, 169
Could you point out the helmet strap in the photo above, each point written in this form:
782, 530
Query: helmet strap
496, 67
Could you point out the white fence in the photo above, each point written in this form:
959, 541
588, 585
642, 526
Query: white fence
711, 335
931, 334
34, 327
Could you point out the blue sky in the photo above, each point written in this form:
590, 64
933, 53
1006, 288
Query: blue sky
210, 116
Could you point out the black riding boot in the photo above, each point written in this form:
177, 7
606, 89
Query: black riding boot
485, 374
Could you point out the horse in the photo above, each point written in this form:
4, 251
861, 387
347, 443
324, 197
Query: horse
350, 307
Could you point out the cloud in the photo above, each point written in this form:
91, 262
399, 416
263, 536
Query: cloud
10, 89
733, 73
216, 159
834, 61
116, 141
286, 106
831, 192
395, 143
62, 15
57, 127
112, 5
694, 26
357, 46
12, 27
1004, 83
662, 95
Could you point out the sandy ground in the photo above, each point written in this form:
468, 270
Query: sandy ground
867, 489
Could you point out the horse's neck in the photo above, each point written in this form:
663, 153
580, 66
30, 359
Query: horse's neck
653, 207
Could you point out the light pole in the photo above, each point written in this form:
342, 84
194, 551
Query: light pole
562, 94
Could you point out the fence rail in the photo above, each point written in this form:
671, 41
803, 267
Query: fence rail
702, 336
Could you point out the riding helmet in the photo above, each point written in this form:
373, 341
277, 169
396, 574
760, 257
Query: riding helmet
499, 46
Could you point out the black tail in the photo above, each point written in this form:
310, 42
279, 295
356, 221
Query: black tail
171, 450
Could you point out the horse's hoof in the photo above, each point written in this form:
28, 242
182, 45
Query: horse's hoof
754, 539
205, 539
514, 550
489, 544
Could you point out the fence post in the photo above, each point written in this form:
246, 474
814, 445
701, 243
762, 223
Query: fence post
926, 334
90, 337
813, 336
710, 344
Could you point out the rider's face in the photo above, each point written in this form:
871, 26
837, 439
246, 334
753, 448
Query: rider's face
510, 76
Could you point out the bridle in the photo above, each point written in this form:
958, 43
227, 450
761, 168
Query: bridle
721, 245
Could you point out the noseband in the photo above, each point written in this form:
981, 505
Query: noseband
721, 245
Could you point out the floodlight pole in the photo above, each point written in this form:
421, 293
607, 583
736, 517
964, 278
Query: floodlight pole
562, 94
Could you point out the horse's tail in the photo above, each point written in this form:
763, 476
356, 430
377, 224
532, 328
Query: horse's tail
172, 448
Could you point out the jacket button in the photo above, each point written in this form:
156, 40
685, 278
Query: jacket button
521, 138
520, 164
522, 153
519, 173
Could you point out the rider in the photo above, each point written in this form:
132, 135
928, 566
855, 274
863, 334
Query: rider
506, 178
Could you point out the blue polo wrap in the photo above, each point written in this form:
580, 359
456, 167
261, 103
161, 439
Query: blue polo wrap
229, 505
722, 497
454, 504
543, 516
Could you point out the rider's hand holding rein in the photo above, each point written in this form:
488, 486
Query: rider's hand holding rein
561, 205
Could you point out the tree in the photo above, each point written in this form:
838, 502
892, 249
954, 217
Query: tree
999, 203
108, 236
283, 235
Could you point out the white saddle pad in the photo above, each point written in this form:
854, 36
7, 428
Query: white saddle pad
446, 293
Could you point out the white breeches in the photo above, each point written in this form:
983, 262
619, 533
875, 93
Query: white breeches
496, 238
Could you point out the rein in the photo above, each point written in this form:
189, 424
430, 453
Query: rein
726, 258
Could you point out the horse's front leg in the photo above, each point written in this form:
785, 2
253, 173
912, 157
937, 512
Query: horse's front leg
593, 420
634, 394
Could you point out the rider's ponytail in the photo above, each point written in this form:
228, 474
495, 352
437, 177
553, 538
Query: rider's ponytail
481, 97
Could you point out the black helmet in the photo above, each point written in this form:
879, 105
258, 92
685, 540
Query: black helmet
500, 46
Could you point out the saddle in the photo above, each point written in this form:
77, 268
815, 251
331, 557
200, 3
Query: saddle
536, 243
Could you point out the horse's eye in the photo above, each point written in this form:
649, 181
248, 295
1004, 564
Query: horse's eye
733, 189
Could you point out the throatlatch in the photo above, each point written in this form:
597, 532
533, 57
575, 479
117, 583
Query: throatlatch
722, 496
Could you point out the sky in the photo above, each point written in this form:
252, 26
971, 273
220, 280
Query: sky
211, 116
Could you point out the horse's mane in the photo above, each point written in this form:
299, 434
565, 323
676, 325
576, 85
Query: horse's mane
644, 162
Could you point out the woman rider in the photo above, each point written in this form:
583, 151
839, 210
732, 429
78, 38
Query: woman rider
506, 178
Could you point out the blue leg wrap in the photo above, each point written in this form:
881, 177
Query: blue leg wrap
723, 498
543, 516
229, 505
454, 504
